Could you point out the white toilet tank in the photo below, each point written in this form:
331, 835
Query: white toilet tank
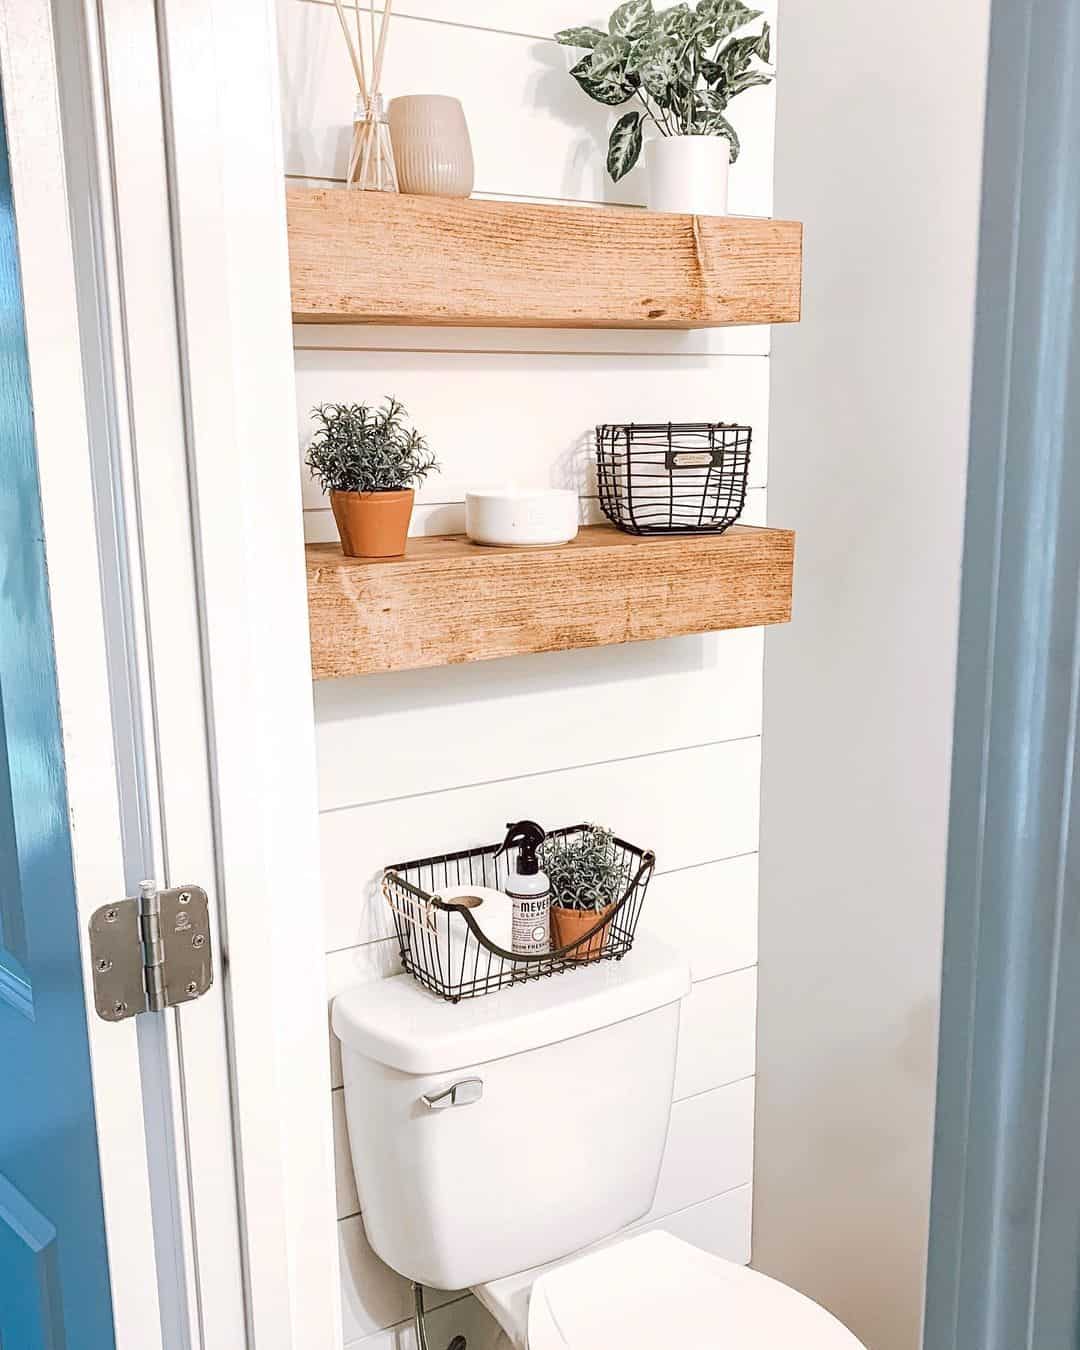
550, 1134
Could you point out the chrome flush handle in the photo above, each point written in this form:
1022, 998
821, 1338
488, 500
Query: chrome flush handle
466, 1092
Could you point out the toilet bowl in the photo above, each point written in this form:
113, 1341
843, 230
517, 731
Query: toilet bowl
654, 1290
450, 1110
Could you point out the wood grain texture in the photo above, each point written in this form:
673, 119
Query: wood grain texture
449, 600
365, 257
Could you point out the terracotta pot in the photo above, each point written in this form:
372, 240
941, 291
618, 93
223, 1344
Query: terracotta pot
373, 524
568, 925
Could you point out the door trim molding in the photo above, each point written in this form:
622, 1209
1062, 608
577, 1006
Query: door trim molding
1005, 1238
35, 142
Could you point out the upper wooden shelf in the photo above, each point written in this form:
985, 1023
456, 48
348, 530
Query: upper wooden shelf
370, 257
449, 600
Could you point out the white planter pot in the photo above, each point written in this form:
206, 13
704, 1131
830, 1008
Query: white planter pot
689, 174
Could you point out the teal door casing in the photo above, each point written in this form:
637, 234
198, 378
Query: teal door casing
54, 1275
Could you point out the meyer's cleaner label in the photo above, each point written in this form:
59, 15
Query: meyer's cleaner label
532, 923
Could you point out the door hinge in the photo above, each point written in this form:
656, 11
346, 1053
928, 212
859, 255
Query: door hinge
150, 951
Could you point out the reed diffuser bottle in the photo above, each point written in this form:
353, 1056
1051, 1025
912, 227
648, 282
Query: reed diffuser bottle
371, 159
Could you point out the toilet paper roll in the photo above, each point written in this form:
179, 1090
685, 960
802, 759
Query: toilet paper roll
492, 912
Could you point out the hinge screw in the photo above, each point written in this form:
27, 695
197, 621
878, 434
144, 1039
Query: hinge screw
193, 988
198, 940
104, 965
119, 1007
110, 915
184, 897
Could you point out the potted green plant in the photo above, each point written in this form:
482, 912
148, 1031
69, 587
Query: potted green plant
587, 881
369, 460
682, 66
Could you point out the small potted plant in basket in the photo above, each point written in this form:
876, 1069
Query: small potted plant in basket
587, 881
369, 460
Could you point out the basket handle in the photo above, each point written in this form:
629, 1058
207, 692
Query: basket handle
420, 912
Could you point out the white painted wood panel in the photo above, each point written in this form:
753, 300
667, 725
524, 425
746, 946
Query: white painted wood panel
710, 1147
720, 1225
449, 517
717, 1033
534, 133
348, 1201
690, 806
751, 340
708, 912
497, 418
716, 1047
426, 730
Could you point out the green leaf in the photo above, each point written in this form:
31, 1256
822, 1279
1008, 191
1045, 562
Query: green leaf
725, 16
579, 37
632, 20
625, 145
662, 69
750, 80
718, 125
675, 22
609, 55
737, 56
607, 91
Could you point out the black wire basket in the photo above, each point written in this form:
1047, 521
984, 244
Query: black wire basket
672, 477
443, 947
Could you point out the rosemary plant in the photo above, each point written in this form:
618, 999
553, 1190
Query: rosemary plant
357, 448
583, 868
683, 65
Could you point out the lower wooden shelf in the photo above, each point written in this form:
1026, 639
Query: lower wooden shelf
449, 600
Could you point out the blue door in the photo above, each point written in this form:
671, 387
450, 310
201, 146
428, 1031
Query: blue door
54, 1275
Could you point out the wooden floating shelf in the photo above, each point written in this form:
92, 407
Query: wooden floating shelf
370, 257
449, 600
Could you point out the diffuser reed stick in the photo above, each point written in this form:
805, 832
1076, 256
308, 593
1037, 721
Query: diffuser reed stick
371, 159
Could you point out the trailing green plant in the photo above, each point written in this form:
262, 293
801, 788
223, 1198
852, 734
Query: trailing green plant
583, 868
357, 448
684, 65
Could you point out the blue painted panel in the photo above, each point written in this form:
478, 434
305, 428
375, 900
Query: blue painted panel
54, 1277
1004, 1267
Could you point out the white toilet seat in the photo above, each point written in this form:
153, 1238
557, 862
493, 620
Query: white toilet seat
656, 1290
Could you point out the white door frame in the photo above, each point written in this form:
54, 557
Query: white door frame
228, 193
193, 632
48, 285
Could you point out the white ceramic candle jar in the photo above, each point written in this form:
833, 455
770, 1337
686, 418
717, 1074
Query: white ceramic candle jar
521, 517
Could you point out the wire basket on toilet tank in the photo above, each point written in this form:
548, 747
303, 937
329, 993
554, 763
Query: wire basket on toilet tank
672, 477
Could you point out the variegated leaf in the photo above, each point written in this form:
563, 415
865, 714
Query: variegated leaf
610, 92
609, 55
727, 16
579, 37
676, 21
720, 126
660, 70
632, 20
624, 148
750, 80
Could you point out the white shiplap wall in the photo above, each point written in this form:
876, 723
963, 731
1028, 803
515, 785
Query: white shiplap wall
661, 740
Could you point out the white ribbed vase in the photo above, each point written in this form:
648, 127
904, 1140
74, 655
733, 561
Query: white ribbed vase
431, 143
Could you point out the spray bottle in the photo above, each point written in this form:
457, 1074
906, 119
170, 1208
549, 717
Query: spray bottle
529, 889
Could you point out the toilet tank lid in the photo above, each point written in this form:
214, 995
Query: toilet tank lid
400, 1024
